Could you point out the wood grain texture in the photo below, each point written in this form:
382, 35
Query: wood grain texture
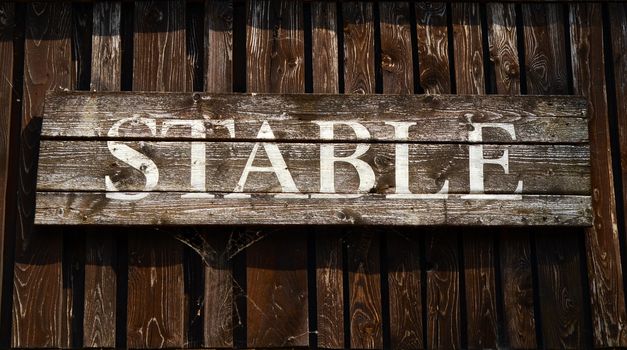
602, 242
545, 51
441, 246
329, 286
558, 269
468, 52
433, 51
405, 289
618, 35
276, 267
364, 284
517, 286
100, 254
275, 47
155, 305
479, 259
443, 295
396, 53
364, 280
514, 246
329, 243
403, 260
37, 304
106, 47
218, 293
293, 117
159, 55
558, 255
359, 71
7, 31
503, 43
325, 52
219, 45
66, 208
64, 167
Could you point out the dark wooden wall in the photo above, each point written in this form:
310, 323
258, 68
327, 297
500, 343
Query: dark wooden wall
346, 287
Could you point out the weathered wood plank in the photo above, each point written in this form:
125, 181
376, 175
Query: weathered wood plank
329, 250
441, 247
329, 286
100, 253
291, 117
218, 293
403, 267
478, 249
67, 208
443, 296
396, 53
609, 317
364, 286
359, 75
219, 45
38, 255
468, 52
618, 34
517, 286
545, 52
7, 135
503, 42
324, 47
83, 166
559, 281
514, 247
276, 267
433, 51
155, 305
405, 289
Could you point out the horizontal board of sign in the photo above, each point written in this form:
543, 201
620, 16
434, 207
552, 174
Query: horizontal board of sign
544, 169
168, 208
133, 158
437, 118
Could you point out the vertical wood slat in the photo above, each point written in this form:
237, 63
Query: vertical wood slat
37, 304
602, 244
364, 279
7, 28
441, 252
276, 274
218, 293
514, 248
559, 280
618, 35
155, 277
403, 260
479, 270
100, 255
329, 254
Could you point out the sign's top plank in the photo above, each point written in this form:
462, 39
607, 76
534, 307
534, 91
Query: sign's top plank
437, 118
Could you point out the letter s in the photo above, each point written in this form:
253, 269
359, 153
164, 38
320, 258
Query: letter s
133, 158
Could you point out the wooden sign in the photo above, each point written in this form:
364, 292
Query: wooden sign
190, 159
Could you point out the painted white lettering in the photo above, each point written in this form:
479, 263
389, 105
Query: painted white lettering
133, 158
476, 161
198, 170
278, 167
401, 188
328, 160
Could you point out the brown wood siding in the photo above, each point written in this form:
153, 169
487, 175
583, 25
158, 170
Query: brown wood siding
357, 287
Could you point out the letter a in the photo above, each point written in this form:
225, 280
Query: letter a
279, 168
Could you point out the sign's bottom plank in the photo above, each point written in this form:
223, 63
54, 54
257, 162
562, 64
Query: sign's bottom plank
168, 208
